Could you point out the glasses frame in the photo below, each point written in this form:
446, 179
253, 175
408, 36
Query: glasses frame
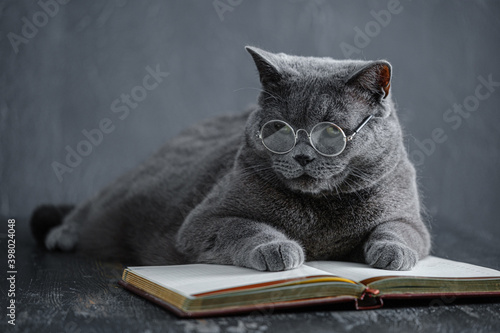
296, 134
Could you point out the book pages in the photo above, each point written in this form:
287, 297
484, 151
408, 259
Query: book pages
427, 267
194, 279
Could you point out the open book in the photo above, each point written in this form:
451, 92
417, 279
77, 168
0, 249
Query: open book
202, 290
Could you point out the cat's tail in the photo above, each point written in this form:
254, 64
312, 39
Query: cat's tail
46, 217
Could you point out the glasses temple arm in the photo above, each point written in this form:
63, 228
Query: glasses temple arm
367, 119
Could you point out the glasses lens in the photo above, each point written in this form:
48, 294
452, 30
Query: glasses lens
328, 138
277, 136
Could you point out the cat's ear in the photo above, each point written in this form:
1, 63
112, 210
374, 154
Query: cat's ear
267, 64
374, 77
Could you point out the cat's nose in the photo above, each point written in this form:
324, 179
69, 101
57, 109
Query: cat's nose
303, 160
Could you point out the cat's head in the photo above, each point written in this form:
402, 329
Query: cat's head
305, 91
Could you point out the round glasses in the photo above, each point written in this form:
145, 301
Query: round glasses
326, 138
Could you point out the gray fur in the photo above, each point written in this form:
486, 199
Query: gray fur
214, 194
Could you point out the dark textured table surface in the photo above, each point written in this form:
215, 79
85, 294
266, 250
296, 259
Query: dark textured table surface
57, 292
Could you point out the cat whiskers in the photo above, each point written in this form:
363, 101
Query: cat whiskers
336, 188
352, 187
260, 172
360, 177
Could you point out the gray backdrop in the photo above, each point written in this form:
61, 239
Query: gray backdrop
67, 68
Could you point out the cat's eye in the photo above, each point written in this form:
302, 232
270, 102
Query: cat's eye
332, 131
326, 138
285, 129
277, 136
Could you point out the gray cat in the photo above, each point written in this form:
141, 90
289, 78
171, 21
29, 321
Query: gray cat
316, 170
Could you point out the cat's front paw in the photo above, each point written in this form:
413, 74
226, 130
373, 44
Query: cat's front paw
277, 256
390, 255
